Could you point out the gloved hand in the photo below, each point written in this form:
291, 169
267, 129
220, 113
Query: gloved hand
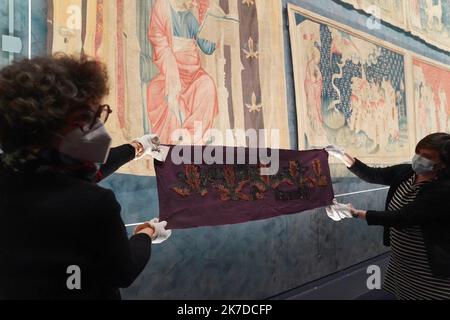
339, 153
161, 234
152, 147
338, 211
359, 214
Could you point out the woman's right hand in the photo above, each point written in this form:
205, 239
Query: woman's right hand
339, 153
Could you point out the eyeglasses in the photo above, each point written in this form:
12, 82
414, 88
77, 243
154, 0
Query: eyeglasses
101, 115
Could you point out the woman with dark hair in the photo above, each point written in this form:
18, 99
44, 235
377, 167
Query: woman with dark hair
61, 235
416, 218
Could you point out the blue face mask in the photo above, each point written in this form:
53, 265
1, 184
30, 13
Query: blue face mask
422, 165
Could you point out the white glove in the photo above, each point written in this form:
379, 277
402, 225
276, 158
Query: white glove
152, 147
338, 211
161, 234
339, 153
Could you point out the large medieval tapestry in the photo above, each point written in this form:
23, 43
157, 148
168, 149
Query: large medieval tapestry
430, 20
431, 97
195, 66
391, 11
350, 90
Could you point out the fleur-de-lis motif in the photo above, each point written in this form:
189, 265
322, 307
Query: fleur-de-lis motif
251, 53
248, 2
254, 107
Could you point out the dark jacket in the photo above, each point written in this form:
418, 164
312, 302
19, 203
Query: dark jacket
429, 211
51, 221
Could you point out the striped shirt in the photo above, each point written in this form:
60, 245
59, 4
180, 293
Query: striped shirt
409, 274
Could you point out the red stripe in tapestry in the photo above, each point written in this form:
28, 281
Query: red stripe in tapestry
198, 194
98, 29
251, 84
120, 64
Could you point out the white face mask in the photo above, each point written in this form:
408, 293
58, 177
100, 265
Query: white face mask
422, 165
92, 145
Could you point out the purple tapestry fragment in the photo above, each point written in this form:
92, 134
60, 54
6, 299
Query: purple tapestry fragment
197, 194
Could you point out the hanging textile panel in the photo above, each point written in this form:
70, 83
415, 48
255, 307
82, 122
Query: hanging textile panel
427, 19
191, 65
350, 90
193, 193
430, 20
431, 96
391, 11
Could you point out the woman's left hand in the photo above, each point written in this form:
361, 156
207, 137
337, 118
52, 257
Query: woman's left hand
150, 145
360, 214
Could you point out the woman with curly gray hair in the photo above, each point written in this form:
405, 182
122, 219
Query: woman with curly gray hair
61, 235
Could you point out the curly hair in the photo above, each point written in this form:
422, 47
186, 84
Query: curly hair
37, 94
